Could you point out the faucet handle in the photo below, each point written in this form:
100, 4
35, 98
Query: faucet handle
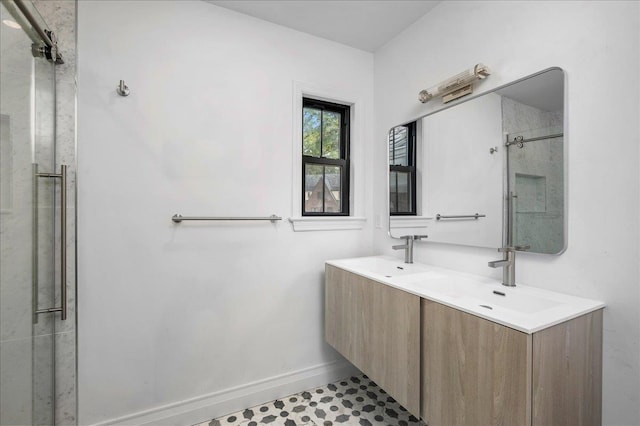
498, 263
407, 237
522, 248
506, 249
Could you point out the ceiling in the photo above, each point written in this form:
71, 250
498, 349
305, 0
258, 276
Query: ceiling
362, 24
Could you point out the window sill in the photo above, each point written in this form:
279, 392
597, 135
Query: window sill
398, 222
335, 223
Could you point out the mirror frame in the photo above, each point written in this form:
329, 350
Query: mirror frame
505, 183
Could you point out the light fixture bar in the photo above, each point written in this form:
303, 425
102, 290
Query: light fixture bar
457, 86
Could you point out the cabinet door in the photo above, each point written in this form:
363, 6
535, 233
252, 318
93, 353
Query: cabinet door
475, 372
567, 373
376, 327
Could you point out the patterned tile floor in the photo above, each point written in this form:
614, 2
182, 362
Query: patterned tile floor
353, 401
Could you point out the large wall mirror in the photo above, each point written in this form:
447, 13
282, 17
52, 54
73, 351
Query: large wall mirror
485, 172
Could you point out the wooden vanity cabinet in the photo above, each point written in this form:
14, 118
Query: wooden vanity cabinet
477, 372
377, 328
452, 368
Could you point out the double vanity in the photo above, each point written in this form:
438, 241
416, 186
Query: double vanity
454, 348
459, 349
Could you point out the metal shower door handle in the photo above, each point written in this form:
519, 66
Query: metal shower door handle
63, 241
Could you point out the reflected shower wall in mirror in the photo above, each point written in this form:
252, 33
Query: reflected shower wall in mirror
535, 150
489, 171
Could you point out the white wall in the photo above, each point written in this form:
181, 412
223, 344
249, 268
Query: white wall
172, 312
597, 43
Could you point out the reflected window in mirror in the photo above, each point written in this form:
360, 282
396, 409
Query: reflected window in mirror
325, 158
402, 170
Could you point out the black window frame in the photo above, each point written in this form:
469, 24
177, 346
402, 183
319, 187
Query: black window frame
343, 161
410, 168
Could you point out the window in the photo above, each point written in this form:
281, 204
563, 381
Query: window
402, 170
325, 158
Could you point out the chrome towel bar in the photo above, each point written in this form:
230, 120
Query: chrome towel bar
466, 216
177, 218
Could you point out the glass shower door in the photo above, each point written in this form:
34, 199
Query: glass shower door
30, 229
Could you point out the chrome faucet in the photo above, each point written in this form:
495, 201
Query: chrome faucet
508, 263
408, 246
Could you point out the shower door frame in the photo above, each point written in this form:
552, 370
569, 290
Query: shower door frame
44, 329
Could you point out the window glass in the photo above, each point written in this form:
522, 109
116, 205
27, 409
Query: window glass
398, 145
311, 132
331, 134
325, 158
400, 191
314, 190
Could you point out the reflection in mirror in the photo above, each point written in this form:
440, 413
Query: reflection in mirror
462, 176
532, 117
402, 170
489, 171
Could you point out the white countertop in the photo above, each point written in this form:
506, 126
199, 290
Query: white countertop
524, 308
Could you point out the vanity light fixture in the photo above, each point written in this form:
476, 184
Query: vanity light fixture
457, 86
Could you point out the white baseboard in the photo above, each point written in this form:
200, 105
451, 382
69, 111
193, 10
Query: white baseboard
203, 408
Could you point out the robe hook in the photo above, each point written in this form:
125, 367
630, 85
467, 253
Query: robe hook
122, 89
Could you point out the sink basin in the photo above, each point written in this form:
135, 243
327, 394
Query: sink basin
445, 285
515, 301
523, 308
388, 268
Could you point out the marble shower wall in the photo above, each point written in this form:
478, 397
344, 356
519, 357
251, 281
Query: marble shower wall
60, 16
16, 351
537, 174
